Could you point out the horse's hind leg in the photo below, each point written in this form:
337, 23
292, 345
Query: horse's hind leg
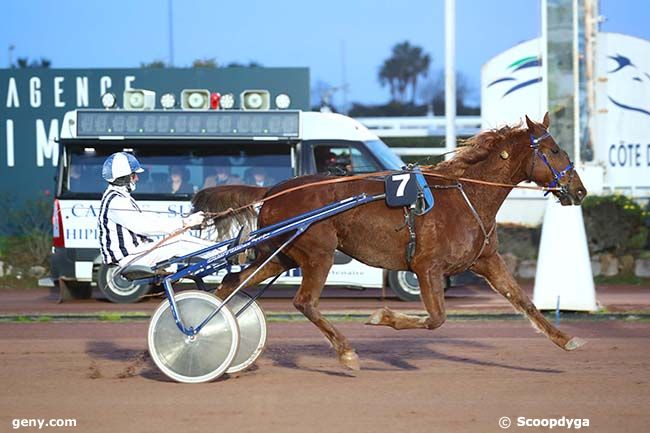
231, 281
432, 292
315, 270
496, 273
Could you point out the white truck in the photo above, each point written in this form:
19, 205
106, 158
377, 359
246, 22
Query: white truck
186, 150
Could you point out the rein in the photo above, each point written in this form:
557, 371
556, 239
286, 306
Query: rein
232, 211
534, 145
546, 189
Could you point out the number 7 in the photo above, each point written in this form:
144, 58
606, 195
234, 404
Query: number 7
404, 179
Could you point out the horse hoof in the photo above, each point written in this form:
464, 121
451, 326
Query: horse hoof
350, 360
379, 317
574, 343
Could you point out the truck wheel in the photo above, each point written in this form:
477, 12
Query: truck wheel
405, 285
117, 288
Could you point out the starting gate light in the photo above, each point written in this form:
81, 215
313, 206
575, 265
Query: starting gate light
168, 101
109, 100
227, 101
215, 97
282, 101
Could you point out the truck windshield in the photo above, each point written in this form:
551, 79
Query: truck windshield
182, 171
386, 156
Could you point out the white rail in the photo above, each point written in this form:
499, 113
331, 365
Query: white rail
420, 126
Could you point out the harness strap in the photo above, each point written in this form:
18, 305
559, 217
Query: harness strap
409, 223
486, 233
471, 208
409, 217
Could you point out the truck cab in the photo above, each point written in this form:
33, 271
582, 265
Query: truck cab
184, 151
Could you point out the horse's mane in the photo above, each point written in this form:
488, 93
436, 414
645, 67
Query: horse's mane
475, 149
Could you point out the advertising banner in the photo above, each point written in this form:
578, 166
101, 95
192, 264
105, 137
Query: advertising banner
622, 121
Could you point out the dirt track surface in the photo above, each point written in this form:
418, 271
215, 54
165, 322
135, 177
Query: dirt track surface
460, 378
471, 298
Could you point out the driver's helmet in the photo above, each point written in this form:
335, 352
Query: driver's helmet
120, 164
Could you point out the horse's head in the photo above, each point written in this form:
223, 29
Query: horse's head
550, 166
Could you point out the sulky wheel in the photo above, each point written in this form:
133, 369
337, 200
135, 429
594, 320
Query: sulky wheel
200, 358
252, 331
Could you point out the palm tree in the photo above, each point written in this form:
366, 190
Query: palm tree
402, 69
419, 65
388, 74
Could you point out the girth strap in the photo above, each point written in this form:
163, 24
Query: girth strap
409, 216
410, 213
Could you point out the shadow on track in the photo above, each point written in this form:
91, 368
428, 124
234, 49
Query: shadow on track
394, 352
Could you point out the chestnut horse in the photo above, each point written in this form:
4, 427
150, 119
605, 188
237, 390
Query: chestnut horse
456, 235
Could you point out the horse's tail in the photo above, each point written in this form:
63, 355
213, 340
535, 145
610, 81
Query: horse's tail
218, 199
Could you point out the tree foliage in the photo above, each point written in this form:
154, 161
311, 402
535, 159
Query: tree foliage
26, 232
615, 223
208, 62
156, 64
433, 93
24, 63
205, 63
402, 69
251, 64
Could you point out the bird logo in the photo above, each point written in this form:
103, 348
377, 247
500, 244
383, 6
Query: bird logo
635, 97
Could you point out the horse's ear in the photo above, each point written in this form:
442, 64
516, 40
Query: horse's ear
530, 123
547, 121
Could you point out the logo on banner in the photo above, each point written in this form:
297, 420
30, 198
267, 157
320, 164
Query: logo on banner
626, 70
516, 79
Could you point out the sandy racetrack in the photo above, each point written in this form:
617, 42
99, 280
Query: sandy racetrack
462, 377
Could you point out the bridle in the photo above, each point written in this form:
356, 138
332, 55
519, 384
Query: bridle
557, 175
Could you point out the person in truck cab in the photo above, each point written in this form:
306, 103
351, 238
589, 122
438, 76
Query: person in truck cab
257, 176
179, 179
126, 231
221, 175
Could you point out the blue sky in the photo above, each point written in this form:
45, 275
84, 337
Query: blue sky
334, 38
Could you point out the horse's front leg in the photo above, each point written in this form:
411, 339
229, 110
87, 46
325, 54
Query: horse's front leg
315, 270
432, 292
494, 270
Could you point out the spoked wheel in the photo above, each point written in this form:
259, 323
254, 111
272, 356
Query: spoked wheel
252, 331
206, 355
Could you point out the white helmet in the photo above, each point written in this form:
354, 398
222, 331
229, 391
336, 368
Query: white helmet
120, 164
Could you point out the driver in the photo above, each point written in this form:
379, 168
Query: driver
125, 230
